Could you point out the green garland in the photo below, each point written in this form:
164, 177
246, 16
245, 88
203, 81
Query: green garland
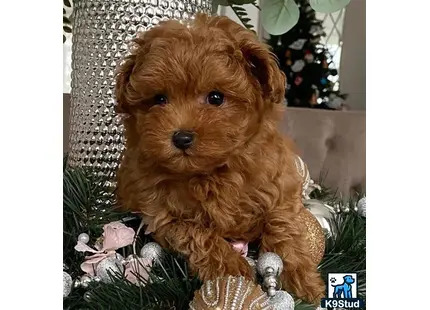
88, 205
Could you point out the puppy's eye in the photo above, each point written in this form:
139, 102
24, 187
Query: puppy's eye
215, 98
160, 99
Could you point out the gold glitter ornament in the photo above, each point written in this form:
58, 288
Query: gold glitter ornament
326, 216
232, 293
314, 235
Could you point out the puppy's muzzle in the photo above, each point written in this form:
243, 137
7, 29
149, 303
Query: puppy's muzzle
182, 139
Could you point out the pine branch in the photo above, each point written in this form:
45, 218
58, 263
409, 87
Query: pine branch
88, 205
170, 287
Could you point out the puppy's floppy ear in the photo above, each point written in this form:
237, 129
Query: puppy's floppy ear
264, 67
262, 63
124, 92
123, 83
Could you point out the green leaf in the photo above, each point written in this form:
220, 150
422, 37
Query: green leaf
67, 29
328, 6
279, 16
67, 3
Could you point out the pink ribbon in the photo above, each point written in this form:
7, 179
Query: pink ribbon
115, 236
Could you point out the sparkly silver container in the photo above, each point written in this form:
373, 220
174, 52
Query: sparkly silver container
101, 33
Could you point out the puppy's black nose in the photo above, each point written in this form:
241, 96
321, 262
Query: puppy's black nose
183, 139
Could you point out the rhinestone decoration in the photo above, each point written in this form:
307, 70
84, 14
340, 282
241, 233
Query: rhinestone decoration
282, 301
151, 251
269, 260
109, 266
101, 33
67, 284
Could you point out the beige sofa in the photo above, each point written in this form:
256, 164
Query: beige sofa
332, 144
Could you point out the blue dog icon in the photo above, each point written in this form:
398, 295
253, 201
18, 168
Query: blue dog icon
344, 289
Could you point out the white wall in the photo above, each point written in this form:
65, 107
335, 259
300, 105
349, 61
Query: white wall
353, 59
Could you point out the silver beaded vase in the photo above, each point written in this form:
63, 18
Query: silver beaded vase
102, 30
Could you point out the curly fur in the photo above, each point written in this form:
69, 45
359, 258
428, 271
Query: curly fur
238, 181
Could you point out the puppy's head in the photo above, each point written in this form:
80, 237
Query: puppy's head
196, 94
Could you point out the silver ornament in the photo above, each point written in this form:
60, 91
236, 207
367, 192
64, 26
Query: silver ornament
345, 208
151, 251
85, 281
269, 260
87, 296
76, 283
361, 206
67, 284
325, 215
270, 282
109, 265
97, 279
282, 301
84, 238
271, 292
337, 209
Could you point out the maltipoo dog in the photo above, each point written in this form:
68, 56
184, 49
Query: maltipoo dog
204, 162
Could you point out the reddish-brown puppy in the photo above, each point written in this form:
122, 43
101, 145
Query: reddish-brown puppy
204, 161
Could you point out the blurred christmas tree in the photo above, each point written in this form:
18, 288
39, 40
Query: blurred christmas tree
307, 63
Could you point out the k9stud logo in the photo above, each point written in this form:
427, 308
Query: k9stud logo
342, 291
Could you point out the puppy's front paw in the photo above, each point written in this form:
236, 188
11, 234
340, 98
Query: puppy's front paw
232, 266
240, 267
